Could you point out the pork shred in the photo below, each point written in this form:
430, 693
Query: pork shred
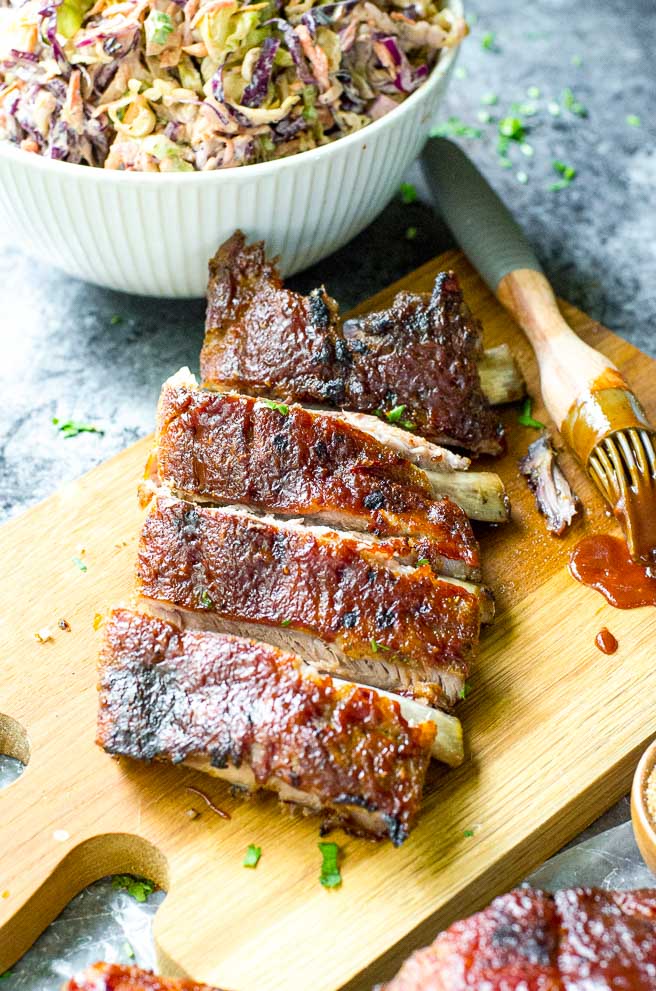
420, 354
367, 616
575, 940
229, 448
118, 977
553, 494
173, 695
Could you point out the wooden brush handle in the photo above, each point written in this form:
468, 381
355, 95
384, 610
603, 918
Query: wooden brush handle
497, 247
569, 368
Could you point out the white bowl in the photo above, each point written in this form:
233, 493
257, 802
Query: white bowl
153, 233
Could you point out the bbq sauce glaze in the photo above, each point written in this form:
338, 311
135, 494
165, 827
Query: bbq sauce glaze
603, 562
606, 642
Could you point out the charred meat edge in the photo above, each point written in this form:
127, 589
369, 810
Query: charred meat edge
259, 718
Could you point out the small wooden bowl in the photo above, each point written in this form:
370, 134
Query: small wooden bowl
644, 828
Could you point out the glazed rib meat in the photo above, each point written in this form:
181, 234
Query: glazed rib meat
228, 448
421, 354
260, 718
577, 940
553, 494
344, 601
117, 977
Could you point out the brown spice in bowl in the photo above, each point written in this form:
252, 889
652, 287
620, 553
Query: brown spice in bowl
650, 796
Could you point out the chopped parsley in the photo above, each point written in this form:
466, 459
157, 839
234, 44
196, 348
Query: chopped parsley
454, 127
460, 72
286, 622
411, 233
572, 104
116, 319
633, 120
512, 128
522, 177
395, 414
70, 428
281, 408
533, 92
408, 193
422, 561
468, 833
488, 42
138, 888
553, 108
577, 61
158, 27
376, 646
205, 599
330, 874
525, 417
253, 855
5, 976
484, 116
527, 149
567, 174
79, 563
490, 99
465, 690
128, 951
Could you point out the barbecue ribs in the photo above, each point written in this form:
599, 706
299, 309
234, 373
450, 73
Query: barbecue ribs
416, 361
577, 940
260, 718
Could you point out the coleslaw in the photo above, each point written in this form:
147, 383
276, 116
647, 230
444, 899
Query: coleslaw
184, 85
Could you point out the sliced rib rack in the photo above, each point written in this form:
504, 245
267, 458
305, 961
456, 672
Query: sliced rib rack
228, 448
576, 940
260, 718
416, 362
345, 601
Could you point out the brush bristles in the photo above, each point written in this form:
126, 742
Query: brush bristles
624, 469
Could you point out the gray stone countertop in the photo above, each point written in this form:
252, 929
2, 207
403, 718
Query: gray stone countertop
582, 81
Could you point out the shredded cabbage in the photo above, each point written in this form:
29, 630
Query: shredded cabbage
184, 85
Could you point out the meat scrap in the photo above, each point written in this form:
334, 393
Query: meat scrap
260, 718
416, 361
228, 448
553, 495
118, 977
527, 940
343, 600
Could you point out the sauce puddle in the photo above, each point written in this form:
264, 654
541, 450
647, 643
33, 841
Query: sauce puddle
606, 642
603, 562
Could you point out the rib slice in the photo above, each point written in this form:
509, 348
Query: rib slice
420, 355
553, 494
260, 718
227, 448
575, 940
343, 601
117, 977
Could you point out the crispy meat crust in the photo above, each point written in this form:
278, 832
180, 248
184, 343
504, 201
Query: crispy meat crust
231, 448
117, 977
171, 695
421, 353
322, 583
529, 941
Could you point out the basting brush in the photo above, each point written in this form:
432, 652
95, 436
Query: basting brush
587, 397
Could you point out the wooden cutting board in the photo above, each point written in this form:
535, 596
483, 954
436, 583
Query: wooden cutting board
554, 729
